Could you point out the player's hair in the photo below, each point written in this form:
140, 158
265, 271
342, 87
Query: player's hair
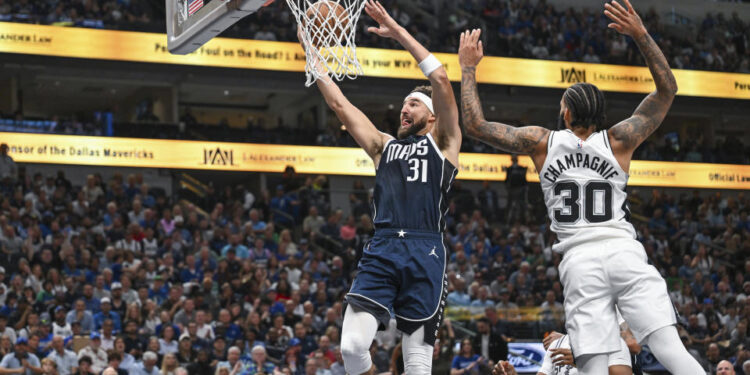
586, 104
427, 90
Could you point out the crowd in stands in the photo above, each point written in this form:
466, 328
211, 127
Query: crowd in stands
115, 273
518, 28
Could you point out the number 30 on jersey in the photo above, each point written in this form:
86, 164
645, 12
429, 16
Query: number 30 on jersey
596, 202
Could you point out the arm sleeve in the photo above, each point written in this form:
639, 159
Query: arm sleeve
620, 319
547, 365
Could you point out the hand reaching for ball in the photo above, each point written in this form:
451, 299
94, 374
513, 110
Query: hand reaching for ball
388, 26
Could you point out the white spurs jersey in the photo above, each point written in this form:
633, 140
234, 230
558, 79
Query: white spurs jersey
584, 189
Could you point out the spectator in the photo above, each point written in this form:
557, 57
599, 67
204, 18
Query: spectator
185, 353
725, 368
66, 360
21, 359
236, 247
259, 363
466, 362
6, 331
8, 169
82, 317
60, 327
337, 367
516, 182
108, 336
482, 299
148, 365
488, 201
49, 367
459, 297
202, 365
712, 358
167, 342
489, 344
106, 313
313, 222
97, 357
169, 364
233, 359
84, 367
186, 314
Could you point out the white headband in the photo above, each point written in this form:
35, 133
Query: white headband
422, 98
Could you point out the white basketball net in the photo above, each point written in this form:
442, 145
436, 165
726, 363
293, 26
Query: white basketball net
329, 43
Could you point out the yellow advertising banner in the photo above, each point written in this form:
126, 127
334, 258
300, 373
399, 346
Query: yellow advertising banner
222, 156
279, 56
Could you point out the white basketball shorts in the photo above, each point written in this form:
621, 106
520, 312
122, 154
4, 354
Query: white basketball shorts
597, 277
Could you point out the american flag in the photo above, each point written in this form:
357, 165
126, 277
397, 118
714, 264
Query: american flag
194, 5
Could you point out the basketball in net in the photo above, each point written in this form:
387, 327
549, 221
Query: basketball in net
327, 32
327, 17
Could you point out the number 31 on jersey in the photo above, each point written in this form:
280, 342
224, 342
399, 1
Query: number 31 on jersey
418, 169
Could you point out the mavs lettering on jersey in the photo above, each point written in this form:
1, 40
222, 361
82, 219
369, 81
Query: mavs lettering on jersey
411, 185
584, 189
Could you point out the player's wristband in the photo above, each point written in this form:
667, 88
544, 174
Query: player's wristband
429, 65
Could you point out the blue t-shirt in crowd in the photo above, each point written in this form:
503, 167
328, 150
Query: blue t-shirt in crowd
460, 362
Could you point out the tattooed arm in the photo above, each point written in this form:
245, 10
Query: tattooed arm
626, 136
529, 140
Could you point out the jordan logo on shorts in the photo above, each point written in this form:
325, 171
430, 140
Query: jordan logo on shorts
433, 253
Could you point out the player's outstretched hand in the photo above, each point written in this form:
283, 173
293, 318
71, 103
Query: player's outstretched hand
388, 26
625, 21
562, 357
470, 49
504, 368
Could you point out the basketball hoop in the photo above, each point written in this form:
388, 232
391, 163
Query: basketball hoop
328, 29
192, 23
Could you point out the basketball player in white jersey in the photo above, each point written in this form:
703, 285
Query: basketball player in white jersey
583, 173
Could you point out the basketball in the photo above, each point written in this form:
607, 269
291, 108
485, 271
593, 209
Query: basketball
324, 21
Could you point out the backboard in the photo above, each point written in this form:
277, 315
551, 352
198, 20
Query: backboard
192, 23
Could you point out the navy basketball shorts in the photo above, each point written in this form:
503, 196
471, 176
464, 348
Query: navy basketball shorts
403, 271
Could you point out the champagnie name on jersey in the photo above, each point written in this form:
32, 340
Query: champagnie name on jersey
578, 160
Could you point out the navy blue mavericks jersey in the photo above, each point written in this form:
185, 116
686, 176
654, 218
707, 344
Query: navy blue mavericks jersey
411, 185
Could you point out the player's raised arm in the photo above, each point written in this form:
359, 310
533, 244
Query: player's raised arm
446, 110
357, 124
529, 140
626, 136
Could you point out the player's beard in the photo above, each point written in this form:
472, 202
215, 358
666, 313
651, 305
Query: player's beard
561, 123
415, 128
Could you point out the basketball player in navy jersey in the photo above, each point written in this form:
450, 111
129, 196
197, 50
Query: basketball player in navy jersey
403, 268
583, 174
